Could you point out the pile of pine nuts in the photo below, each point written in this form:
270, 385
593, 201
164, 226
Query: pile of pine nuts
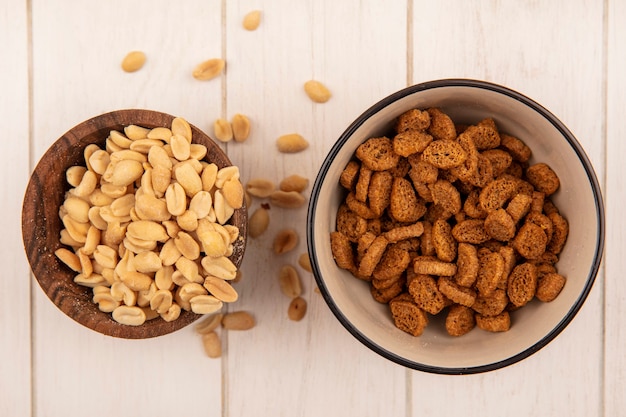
289, 194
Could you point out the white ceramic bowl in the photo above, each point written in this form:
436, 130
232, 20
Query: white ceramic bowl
533, 326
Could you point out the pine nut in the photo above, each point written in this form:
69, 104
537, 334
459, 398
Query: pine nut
209, 324
140, 217
233, 193
180, 147
287, 199
205, 304
172, 313
225, 174
305, 262
126, 172
147, 230
137, 281
105, 256
201, 204
144, 296
86, 265
252, 20
181, 127
317, 91
120, 139
77, 209
189, 269
99, 160
121, 293
260, 187
188, 291
133, 61
161, 301
176, 199
161, 133
121, 206
106, 302
297, 309
241, 127
221, 289
157, 156
74, 175
187, 245
258, 222
208, 176
294, 183
285, 241
92, 240
291, 143
289, 281
130, 316
189, 179
128, 154
160, 177
208, 69
188, 221
69, 258
223, 130
87, 184
221, 267
147, 262
134, 132
223, 210
238, 320
212, 344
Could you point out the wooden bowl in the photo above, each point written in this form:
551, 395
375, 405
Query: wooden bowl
41, 224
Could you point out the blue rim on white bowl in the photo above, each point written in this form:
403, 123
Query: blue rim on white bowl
579, 199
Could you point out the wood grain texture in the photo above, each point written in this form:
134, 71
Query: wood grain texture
567, 55
315, 362
86, 81
615, 287
15, 280
41, 225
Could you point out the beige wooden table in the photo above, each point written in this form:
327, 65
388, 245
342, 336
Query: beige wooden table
60, 64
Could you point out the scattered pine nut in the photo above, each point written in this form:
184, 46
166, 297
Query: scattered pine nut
289, 281
252, 20
223, 130
286, 240
287, 199
317, 91
208, 69
294, 183
241, 127
238, 320
291, 143
133, 61
212, 344
258, 222
260, 187
297, 309
305, 262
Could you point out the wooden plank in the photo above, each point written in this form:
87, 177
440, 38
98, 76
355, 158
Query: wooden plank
15, 349
615, 288
314, 364
535, 48
76, 60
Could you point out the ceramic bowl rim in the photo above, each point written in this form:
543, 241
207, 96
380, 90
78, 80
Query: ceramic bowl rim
382, 104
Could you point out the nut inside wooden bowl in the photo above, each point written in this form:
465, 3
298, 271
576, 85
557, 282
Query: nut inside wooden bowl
41, 224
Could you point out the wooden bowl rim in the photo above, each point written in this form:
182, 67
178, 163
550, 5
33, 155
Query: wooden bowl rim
41, 224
